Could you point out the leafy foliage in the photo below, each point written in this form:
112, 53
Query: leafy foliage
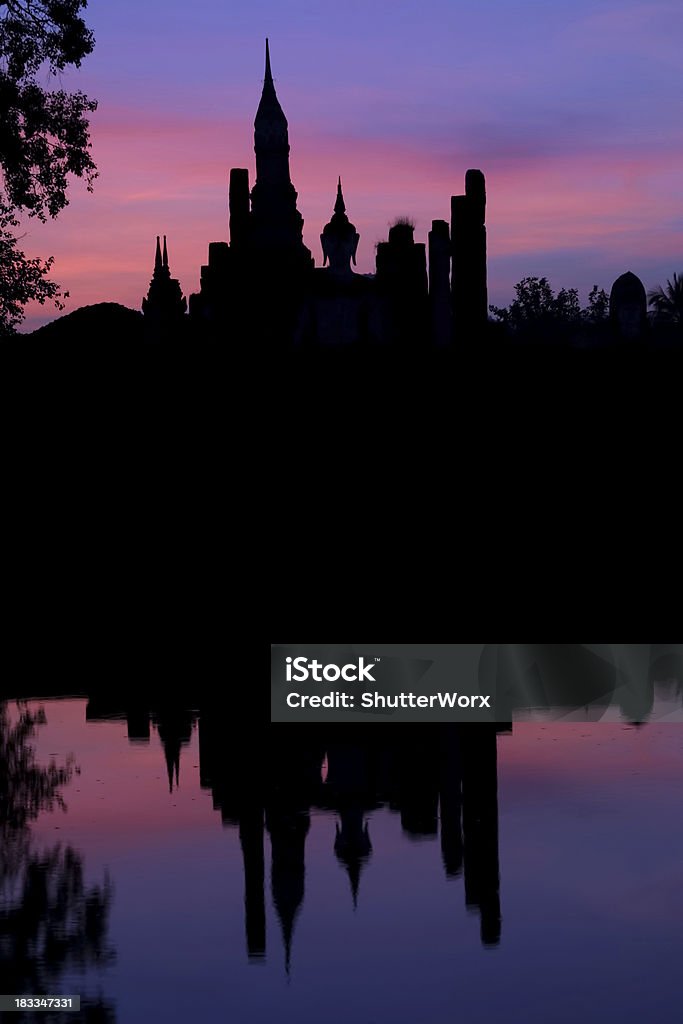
51, 923
597, 310
536, 304
44, 136
26, 789
23, 279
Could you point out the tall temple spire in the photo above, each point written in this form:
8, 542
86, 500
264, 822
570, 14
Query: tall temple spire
269, 74
157, 259
270, 115
165, 253
275, 226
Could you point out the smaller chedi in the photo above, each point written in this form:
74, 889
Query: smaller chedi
165, 303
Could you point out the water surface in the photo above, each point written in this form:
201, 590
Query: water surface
340, 879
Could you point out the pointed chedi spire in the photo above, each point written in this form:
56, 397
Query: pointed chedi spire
276, 226
269, 74
270, 114
340, 205
164, 300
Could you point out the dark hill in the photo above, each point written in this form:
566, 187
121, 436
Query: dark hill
107, 322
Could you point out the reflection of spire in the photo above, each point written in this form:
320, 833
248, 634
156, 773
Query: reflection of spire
175, 729
353, 847
172, 756
288, 830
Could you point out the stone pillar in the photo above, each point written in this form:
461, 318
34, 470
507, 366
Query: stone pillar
239, 208
402, 286
439, 282
468, 239
475, 190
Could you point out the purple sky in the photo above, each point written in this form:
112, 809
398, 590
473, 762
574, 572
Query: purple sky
574, 113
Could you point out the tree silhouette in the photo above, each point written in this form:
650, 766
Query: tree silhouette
26, 789
667, 303
50, 922
597, 310
44, 135
536, 304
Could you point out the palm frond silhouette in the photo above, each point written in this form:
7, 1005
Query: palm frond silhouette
667, 303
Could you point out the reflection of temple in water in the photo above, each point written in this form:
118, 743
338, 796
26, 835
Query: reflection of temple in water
442, 781
173, 723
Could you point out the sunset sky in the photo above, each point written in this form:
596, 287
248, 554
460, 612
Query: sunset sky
573, 112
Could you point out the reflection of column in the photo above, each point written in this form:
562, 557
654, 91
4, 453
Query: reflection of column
451, 802
251, 838
480, 821
138, 724
419, 784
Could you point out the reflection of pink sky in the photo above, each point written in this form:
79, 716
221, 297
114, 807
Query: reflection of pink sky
122, 791
590, 753
588, 780
590, 864
602, 211
121, 794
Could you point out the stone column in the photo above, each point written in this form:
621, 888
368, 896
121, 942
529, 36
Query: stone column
468, 238
439, 282
239, 208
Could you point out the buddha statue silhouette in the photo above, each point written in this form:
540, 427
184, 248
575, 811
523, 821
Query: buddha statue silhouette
341, 307
339, 240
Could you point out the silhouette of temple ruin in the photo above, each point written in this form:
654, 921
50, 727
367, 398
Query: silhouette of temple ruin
165, 302
264, 281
